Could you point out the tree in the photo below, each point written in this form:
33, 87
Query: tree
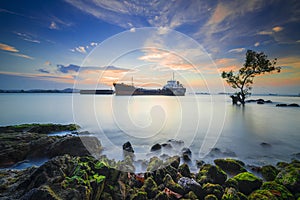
255, 64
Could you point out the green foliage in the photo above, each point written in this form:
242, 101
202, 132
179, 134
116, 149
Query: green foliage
255, 64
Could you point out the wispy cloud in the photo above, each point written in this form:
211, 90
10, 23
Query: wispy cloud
13, 51
27, 37
9, 48
237, 50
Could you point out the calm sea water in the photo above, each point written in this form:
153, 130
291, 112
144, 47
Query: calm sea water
203, 122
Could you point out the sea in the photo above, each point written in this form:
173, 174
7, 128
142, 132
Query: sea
209, 125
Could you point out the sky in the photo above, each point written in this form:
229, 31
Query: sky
93, 43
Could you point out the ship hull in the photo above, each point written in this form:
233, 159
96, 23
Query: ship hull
128, 90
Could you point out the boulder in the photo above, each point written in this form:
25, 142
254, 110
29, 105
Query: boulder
214, 189
293, 105
184, 170
262, 195
150, 187
279, 191
189, 184
155, 147
281, 105
175, 187
289, 177
128, 147
230, 194
75, 146
269, 172
231, 166
186, 154
264, 144
211, 174
247, 182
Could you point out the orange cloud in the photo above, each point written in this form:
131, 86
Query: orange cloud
6, 47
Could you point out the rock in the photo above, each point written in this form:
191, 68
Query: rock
262, 195
281, 165
268, 101
128, 147
211, 174
214, 189
293, 105
247, 182
140, 195
231, 166
167, 145
162, 196
289, 177
175, 187
230, 194
264, 144
189, 184
281, 105
260, 102
155, 147
186, 154
43, 192
75, 146
279, 191
150, 187
184, 170
190, 195
154, 164
199, 163
176, 142
296, 155
173, 161
210, 197
269, 172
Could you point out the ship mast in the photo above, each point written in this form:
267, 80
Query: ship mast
132, 80
173, 76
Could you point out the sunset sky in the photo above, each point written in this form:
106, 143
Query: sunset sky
93, 43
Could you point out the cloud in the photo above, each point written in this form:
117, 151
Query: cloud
27, 37
9, 48
277, 29
23, 56
128, 14
43, 71
53, 26
67, 69
132, 30
94, 44
80, 49
237, 50
256, 44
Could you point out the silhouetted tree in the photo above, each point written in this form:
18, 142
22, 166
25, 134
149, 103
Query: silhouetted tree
255, 64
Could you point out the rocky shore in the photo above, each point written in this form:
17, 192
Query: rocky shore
72, 173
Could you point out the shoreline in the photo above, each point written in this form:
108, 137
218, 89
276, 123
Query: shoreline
72, 172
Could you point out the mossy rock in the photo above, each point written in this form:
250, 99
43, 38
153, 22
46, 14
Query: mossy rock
154, 164
289, 176
191, 195
211, 174
184, 170
247, 182
210, 197
175, 187
140, 195
230, 194
279, 191
150, 187
162, 196
173, 161
261, 195
231, 183
269, 172
231, 166
214, 189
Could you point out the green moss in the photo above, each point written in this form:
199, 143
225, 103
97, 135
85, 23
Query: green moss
150, 187
269, 172
210, 197
290, 177
277, 190
246, 176
162, 196
230, 165
175, 187
214, 189
154, 164
262, 195
191, 195
139, 196
184, 170
211, 174
230, 194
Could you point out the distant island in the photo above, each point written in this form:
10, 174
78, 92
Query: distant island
67, 90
